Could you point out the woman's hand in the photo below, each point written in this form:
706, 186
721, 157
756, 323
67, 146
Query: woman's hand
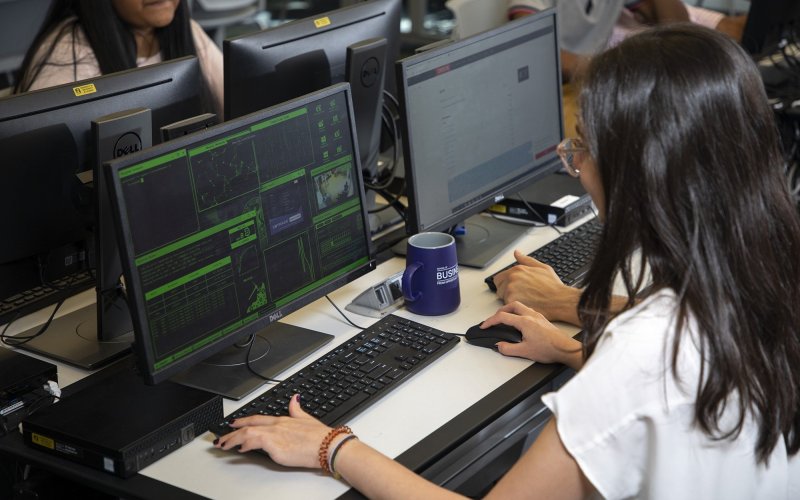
291, 441
541, 340
536, 285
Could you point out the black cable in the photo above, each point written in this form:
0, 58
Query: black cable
343, 314
18, 340
380, 209
250, 346
32, 407
537, 214
247, 361
391, 126
392, 201
392, 98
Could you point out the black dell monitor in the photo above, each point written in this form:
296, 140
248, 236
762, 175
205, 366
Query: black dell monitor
266, 68
47, 140
280, 63
482, 118
771, 25
226, 231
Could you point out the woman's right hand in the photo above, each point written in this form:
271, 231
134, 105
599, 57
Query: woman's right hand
541, 340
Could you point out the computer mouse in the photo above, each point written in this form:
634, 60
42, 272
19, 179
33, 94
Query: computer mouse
489, 337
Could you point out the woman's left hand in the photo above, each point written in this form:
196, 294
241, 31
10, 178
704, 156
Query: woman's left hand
291, 441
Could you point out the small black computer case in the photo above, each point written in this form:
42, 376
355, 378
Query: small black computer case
556, 199
121, 425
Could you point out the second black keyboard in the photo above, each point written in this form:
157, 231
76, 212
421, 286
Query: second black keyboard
36, 298
570, 255
344, 382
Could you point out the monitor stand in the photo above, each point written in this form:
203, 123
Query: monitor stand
485, 239
276, 348
72, 339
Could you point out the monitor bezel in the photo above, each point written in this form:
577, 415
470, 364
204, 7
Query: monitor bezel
488, 198
143, 347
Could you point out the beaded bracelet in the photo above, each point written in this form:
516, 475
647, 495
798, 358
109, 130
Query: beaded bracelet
326, 442
332, 459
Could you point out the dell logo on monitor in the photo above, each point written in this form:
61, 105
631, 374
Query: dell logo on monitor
128, 143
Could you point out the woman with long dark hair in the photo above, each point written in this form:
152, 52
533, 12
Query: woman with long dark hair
689, 386
83, 39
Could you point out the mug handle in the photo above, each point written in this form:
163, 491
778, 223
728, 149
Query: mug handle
408, 274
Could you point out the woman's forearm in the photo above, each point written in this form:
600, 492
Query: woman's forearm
377, 476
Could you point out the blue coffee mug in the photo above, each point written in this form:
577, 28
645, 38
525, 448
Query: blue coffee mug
430, 281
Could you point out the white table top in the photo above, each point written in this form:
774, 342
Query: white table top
402, 418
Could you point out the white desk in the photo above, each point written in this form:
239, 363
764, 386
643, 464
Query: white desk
410, 413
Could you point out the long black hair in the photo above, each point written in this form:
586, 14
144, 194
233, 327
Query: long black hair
686, 146
109, 37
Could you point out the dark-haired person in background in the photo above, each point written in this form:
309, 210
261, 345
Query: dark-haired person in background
86, 38
689, 388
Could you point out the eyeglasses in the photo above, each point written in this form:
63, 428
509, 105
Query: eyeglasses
571, 152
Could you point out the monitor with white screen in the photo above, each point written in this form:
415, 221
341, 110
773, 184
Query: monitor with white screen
482, 118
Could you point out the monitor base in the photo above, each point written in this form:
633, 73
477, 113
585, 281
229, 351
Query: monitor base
484, 240
72, 339
277, 347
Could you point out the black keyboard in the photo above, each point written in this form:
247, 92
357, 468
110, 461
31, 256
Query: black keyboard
36, 298
570, 255
347, 380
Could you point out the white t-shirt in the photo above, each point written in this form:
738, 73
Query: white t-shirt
73, 59
629, 423
584, 26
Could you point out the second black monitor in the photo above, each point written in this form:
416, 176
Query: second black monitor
281, 63
47, 138
272, 66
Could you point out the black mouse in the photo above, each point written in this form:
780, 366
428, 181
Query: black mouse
488, 337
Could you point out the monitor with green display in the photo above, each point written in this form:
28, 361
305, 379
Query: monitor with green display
226, 231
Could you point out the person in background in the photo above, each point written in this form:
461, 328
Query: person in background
688, 388
83, 39
642, 13
586, 26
